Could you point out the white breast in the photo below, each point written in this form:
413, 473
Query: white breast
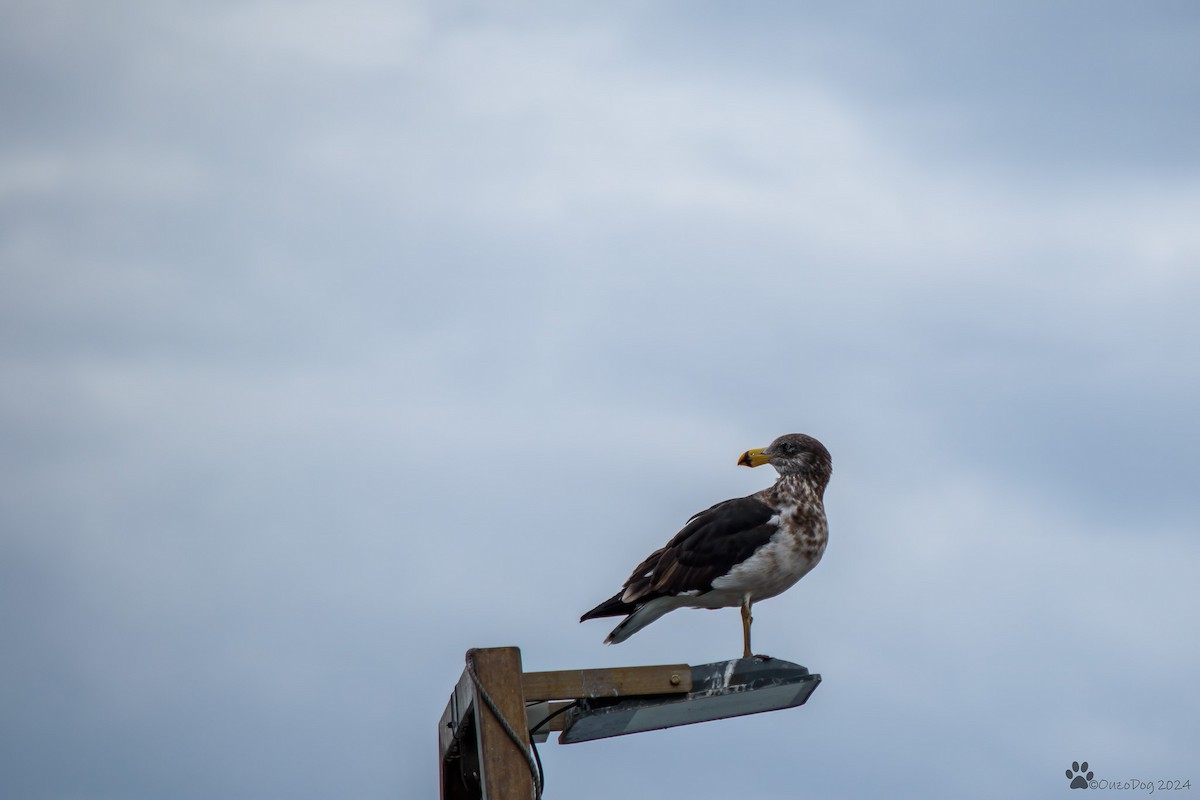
774, 568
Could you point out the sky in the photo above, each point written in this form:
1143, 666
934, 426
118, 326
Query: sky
339, 338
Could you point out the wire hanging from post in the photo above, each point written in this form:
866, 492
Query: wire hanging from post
541, 777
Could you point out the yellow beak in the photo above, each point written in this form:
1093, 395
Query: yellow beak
754, 458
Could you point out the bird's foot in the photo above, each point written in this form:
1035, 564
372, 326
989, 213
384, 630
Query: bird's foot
761, 657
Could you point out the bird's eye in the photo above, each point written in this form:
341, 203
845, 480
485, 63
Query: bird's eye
788, 448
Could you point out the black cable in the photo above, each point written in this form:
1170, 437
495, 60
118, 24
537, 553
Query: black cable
536, 756
551, 716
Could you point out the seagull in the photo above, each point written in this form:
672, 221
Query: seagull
737, 552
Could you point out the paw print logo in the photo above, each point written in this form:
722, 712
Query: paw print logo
1079, 780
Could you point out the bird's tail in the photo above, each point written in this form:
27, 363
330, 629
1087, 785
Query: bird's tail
612, 607
637, 615
642, 616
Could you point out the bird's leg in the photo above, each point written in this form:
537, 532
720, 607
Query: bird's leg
746, 620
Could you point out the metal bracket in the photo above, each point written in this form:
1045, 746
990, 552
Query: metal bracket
719, 690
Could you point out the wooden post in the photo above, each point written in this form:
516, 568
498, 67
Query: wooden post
573, 684
479, 760
503, 766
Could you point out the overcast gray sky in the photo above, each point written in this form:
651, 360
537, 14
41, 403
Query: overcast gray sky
338, 338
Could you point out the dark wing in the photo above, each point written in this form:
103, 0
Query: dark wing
709, 546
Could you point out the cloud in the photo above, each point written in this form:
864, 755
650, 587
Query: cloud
370, 36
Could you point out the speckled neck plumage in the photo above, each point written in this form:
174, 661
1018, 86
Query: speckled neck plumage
795, 490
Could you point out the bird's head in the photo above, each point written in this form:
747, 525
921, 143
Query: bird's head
793, 454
